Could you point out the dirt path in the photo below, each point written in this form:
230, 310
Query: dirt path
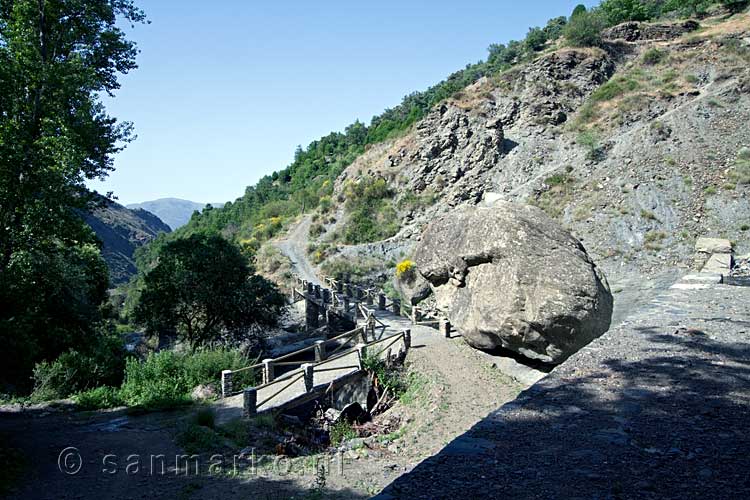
294, 246
454, 388
457, 388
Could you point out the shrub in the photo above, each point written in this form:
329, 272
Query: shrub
405, 270
371, 213
341, 431
75, 371
585, 29
614, 88
654, 56
166, 378
590, 141
619, 11
98, 398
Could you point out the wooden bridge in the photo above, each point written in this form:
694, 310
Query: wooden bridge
306, 374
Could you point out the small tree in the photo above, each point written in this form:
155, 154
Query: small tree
535, 39
203, 289
619, 11
580, 9
585, 29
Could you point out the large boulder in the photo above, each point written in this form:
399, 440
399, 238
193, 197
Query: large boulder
509, 276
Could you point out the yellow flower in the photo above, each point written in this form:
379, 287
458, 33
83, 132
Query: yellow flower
405, 268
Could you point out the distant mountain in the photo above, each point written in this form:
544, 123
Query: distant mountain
122, 230
173, 211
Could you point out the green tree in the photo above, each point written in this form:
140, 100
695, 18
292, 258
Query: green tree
585, 30
203, 290
535, 39
56, 58
619, 11
580, 9
734, 6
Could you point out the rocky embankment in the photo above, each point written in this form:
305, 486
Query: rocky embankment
636, 148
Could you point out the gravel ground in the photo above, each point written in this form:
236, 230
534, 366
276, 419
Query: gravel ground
655, 408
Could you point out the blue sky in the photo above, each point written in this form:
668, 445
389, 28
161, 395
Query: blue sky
226, 90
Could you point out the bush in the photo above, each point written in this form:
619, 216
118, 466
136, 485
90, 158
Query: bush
76, 371
98, 398
585, 29
405, 269
371, 213
619, 11
654, 56
166, 378
341, 431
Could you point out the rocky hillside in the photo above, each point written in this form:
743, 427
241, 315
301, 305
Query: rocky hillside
122, 230
173, 211
637, 147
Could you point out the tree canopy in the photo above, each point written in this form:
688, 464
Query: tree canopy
56, 58
203, 290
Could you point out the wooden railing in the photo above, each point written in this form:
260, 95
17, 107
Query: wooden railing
308, 382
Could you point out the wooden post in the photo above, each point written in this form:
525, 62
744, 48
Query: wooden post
339, 287
370, 329
362, 350
445, 328
249, 402
312, 314
414, 315
307, 369
407, 338
349, 290
226, 383
396, 307
381, 301
320, 350
268, 371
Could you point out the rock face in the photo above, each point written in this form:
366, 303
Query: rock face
413, 287
633, 31
509, 276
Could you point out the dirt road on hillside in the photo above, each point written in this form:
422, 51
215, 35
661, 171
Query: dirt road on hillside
294, 246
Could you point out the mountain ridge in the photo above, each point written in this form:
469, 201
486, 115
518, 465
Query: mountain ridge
175, 212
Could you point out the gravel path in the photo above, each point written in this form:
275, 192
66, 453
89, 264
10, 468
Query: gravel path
655, 408
294, 246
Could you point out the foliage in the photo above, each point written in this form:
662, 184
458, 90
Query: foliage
50, 303
579, 9
654, 56
585, 29
98, 398
308, 181
734, 6
55, 134
99, 363
615, 87
341, 431
203, 289
619, 11
535, 39
590, 141
405, 269
740, 172
370, 209
166, 378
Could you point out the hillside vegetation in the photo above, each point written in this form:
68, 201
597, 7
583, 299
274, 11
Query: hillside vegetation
327, 176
